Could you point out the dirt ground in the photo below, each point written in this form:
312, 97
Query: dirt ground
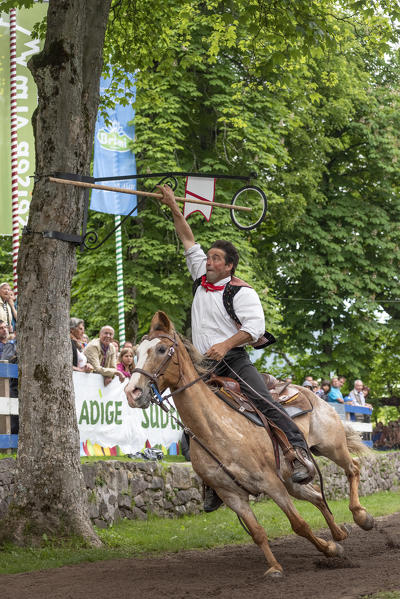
371, 564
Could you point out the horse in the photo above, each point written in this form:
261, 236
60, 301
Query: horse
243, 449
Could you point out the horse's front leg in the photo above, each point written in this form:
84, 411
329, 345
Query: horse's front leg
240, 505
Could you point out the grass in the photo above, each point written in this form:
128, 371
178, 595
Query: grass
137, 539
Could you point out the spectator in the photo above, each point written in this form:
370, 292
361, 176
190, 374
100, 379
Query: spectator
356, 395
366, 391
125, 363
127, 344
307, 384
101, 354
115, 343
342, 380
335, 394
307, 379
324, 389
3, 337
315, 387
85, 340
7, 308
79, 360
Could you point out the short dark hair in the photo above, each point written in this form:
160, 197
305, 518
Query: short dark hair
231, 253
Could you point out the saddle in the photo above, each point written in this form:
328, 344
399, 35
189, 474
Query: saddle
286, 394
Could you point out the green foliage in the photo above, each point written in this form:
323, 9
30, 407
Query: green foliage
299, 92
6, 269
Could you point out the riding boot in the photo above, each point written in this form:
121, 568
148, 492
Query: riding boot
211, 500
303, 467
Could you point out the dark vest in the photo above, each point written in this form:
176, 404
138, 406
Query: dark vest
231, 289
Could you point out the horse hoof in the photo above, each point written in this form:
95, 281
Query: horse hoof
368, 522
274, 572
334, 550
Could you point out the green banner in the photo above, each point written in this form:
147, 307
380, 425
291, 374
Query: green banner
26, 103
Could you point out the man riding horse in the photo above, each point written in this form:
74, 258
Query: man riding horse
226, 316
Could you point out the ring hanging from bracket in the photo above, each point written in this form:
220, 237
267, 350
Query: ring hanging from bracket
252, 197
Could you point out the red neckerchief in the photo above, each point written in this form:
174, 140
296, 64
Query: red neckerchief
209, 286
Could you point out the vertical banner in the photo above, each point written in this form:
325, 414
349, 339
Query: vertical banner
200, 188
114, 158
26, 102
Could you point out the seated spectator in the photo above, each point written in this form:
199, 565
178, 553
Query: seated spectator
125, 363
79, 360
324, 389
335, 394
7, 308
102, 355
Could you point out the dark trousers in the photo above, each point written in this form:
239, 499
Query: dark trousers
238, 360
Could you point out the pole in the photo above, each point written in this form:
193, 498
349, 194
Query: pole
14, 144
146, 193
120, 279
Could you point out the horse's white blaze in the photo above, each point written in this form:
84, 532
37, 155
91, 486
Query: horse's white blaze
142, 353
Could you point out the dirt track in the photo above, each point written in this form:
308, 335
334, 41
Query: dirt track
372, 563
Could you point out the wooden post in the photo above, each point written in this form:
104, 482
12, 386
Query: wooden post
5, 420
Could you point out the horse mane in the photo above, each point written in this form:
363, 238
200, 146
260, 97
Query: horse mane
200, 362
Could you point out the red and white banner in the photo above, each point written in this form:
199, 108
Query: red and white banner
199, 188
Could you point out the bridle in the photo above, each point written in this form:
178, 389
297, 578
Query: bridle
164, 363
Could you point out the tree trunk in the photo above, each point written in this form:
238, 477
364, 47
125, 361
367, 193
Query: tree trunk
50, 496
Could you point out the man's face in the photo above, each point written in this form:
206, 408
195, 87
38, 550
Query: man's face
5, 291
3, 332
358, 386
335, 383
216, 267
106, 335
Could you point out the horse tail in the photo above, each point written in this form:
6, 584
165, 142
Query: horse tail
354, 441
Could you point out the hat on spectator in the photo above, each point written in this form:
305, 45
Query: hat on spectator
308, 384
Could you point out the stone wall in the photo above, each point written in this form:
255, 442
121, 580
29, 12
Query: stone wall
136, 489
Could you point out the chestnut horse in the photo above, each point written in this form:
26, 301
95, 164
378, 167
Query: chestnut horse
243, 448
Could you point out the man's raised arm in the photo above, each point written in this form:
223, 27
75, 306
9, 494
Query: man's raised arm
184, 231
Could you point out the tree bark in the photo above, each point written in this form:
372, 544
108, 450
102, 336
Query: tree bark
50, 496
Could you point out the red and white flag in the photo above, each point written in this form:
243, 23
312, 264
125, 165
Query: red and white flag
199, 188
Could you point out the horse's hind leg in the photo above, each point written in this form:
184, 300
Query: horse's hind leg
339, 454
241, 506
309, 493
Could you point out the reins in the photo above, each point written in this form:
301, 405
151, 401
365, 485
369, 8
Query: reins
158, 399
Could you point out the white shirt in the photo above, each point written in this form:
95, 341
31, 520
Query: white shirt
358, 397
211, 323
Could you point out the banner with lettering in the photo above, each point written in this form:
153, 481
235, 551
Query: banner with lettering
108, 426
26, 98
113, 156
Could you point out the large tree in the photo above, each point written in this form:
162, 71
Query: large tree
49, 492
